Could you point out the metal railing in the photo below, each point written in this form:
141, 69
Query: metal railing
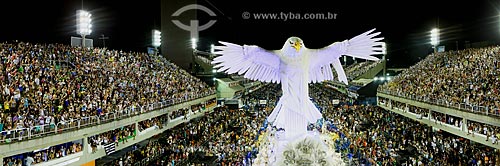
205, 60
485, 110
406, 109
38, 131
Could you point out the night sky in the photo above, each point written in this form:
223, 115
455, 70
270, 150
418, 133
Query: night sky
404, 24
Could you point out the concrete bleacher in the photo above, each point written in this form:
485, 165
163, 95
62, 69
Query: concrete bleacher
468, 114
372, 71
29, 145
358, 80
146, 134
459, 131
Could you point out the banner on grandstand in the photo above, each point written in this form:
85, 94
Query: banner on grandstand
77, 42
335, 101
440, 49
152, 50
352, 95
263, 102
109, 148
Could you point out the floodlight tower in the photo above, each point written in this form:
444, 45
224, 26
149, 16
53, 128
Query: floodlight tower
194, 43
212, 50
156, 39
384, 52
83, 24
435, 38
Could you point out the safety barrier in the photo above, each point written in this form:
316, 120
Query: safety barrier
485, 110
37, 131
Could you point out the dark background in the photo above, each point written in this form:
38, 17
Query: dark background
404, 24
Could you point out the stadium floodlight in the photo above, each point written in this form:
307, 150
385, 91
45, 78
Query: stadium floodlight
435, 37
83, 24
376, 78
212, 49
214, 71
156, 38
384, 48
388, 78
193, 43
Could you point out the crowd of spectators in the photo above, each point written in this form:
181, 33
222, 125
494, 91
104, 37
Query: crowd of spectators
185, 112
227, 136
467, 79
44, 85
178, 113
329, 97
149, 154
118, 135
156, 122
371, 135
44, 155
154, 150
490, 132
355, 70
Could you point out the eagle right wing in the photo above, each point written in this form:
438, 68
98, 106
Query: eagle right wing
361, 46
255, 62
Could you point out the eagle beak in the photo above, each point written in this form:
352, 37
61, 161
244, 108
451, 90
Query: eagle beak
297, 46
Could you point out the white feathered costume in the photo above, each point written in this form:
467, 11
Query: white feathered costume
294, 66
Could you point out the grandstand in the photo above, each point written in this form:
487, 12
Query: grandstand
438, 103
466, 80
79, 131
46, 102
454, 91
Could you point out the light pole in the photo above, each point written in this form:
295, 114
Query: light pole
156, 40
83, 24
212, 50
104, 38
194, 43
193, 46
384, 52
435, 38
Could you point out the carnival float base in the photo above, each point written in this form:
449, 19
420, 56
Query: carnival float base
312, 149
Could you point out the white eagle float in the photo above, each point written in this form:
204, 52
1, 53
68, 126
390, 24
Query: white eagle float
294, 66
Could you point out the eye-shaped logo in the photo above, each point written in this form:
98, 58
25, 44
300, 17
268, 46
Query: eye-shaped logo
194, 26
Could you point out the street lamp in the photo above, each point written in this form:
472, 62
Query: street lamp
83, 24
212, 49
435, 38
156, 38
